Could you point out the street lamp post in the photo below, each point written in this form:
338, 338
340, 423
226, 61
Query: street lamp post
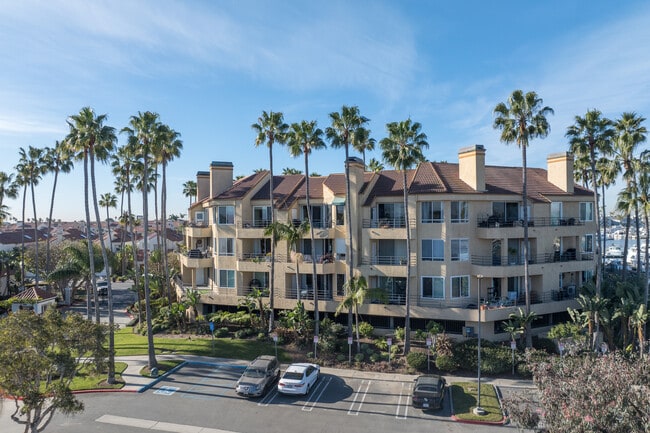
478, 410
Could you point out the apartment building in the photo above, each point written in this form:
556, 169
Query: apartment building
466, 234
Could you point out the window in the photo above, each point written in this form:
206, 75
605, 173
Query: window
433, 250
226, 215
226, 246
586, 211
459, 212
340, 283
340, 219
506, 211
587, 244
460, 287
227, 278
433, 288
432, 212
389, 215
459, 250
261, 216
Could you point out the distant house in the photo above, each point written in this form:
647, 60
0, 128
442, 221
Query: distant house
34, 298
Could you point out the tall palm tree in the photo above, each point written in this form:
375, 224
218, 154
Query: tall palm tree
108, 200
270, 129
520, 119
293, 234
31, 168
8, 189
608, 170
363, 143
347, 125
592, 135
57, 160
402, 149
289, 170
145, 128
356, 291
630, 133
169, 148
625, 203
189, 190
638, 321
303, 139
93, 140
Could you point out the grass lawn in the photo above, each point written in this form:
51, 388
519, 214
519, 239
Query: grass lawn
127, 343
464, 397
163, 366
85, 380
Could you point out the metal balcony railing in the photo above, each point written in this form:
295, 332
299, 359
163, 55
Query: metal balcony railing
384, 260
384, 223
568, 255
496, 221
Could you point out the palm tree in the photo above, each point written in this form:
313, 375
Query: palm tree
591, 135
303, 139
520, 119
362, 143
108, 200
375, 166
523, 320
31, 168
57, 160
347, 125
625, 203
592, 307
270, 129
287, 171
402, 149
630, 133
8, 189
638, 321
93, 140
145, 128
293, 234
189, 190
169, 148
356, 291
608, 170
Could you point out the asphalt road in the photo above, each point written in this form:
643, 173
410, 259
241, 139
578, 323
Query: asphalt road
201, 399
122, 298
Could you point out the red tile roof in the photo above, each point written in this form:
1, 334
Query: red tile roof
35, 293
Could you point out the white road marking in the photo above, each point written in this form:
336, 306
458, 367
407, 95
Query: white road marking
166, 390
363, 398
406, 404
156, 425
307, 407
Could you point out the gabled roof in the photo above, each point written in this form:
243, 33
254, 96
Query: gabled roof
34, 293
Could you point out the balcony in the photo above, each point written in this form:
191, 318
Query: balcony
307, 294
569, 255
196, 259
384, 223
495, 221
384, 260
198, 230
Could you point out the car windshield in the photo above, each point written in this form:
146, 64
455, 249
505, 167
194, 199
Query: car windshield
427, 388
254, 372
292, 375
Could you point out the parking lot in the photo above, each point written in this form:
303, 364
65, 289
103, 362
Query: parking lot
346, 396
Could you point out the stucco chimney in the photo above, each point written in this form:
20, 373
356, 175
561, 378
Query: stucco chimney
560, 170
202, 185
356, 174
220, 177
471, 166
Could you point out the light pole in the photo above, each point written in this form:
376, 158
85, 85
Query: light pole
478, 410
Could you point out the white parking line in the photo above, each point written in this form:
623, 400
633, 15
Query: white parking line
309, 405
156, 425
269, 397
406, 404
356, 395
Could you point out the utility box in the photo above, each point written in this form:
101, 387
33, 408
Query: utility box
468, 331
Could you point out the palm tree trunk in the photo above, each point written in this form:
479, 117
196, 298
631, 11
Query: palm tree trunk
49, 224
604, 233
313, 249
136, 270
147, 291
163, 211
22, 241
108, 231
155, 208
524, 199
407, 318
109, 290
348, 222
35, 236
599, 275
638, 234
91, 252
628, 220
272, 272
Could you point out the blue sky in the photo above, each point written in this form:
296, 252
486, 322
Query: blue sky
209, 68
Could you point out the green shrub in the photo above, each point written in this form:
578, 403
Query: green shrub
381, 344
446, 363
221, 332
341, 357
399, 334
421, 335
366, 329
376, 357
496, 360
359, 357
364, 346
395, 350
328, 345
545, 344
417, 360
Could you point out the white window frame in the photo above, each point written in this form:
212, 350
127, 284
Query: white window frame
460, 289
461, 256
429, 219
433, 258
587, 246
226, 246
228, 220
461, 208
433, 279
228, 273
586, 211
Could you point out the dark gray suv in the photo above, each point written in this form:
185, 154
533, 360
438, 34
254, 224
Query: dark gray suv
258, 376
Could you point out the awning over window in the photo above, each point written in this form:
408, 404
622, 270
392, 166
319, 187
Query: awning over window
338, 201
